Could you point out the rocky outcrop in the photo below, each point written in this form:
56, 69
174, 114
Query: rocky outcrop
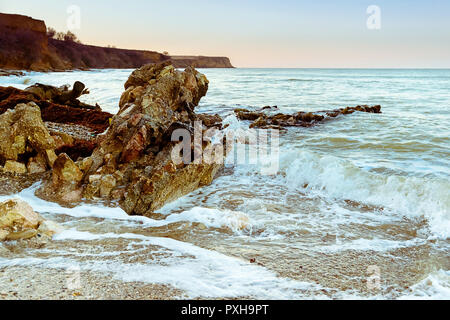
24, 45
269, 118
29, 146
18, 221
133, 162
26, 144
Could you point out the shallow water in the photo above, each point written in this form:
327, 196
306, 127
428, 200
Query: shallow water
359, 193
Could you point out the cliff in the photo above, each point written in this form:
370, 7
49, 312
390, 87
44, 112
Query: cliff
24, 45
201, 62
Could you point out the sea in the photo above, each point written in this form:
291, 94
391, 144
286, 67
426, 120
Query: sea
358, 208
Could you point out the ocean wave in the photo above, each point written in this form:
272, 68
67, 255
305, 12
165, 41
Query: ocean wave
342, 180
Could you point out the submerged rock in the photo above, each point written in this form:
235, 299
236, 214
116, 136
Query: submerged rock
265, 119
18, 221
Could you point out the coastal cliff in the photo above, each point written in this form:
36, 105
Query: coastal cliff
24, 45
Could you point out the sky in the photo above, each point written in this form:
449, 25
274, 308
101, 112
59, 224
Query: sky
264, 33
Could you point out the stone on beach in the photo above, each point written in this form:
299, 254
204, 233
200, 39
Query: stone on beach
18, 221
23, 132
64, 185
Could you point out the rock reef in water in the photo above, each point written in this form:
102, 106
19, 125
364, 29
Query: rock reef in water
265, 118
133, 162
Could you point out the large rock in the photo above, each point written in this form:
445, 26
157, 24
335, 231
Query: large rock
18, 221
64, 186
16, 215
133, 163
22, 131
23, 136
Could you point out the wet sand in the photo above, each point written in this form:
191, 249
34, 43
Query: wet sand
31, 283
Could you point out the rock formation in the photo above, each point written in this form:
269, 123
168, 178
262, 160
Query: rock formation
268, 118
18, 221
34, 131
26, 143
132, 163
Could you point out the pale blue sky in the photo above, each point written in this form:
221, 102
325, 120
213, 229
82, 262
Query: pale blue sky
290, 33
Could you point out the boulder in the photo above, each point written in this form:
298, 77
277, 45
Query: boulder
64, 185
17, 215
18, 221
14, 167
23, 132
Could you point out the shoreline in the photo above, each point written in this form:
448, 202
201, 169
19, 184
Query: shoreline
54, 284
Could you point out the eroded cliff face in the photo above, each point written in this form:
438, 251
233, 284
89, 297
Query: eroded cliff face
201, 62
24, 45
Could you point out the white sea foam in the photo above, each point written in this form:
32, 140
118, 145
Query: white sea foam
370, 244
196, 271
214, 218
435, 287
340, 179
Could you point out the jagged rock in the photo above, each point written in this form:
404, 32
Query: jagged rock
18, 221
132, 162
21, 235
3, 234
14, 167
22, 131
37, 164
64, 186
107, 183
263, 118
